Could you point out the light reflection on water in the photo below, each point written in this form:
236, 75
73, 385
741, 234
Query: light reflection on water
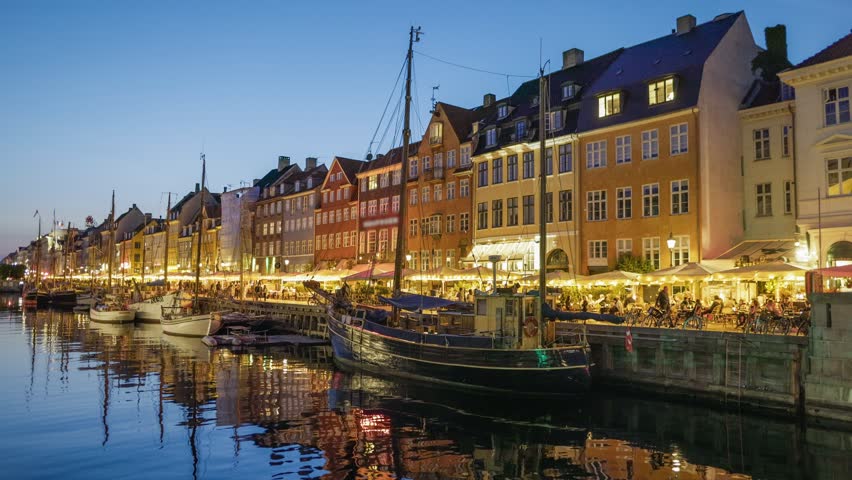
88, 400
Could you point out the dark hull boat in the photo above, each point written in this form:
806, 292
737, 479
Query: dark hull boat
509, 360
63, 298
35, 298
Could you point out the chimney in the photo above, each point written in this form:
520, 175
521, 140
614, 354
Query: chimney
147, 218
571, 58
685, 24
776, 41
488, 99
225, 189
133, 207
283, 162
310, 163
197, 187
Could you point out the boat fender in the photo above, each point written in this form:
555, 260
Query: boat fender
209, 341
530, 327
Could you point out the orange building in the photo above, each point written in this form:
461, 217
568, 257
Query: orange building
336, 218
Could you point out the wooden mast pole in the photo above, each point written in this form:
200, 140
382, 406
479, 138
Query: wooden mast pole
111, 240
200, 233
542, 200
166, 259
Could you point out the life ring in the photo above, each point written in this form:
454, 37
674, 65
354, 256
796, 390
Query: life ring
530, 327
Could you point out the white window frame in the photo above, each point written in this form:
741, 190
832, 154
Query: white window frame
596, 154
837, 99
680, 196
763, 199
651, 144
596, 206
623, 246
609, 104
598, 253
842, 170
680, 252
679, 138
624, 203
761, 143
661, 91
622, 149
788, 197
651, 250
650, 200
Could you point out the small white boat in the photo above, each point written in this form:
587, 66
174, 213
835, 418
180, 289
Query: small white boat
86, 299
183, 322
105, 314
151, 310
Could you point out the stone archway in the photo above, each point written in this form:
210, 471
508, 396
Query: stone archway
839, 252
557, 259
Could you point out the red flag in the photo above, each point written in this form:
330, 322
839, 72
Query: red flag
628, 340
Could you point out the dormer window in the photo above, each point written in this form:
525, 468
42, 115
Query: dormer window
661, 91
609, 104
298, 186
553, 121
502, 111
491, 137
310, 183
520, 129
569, 90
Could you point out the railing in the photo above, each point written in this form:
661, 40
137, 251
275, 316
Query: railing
436, 173
435, 139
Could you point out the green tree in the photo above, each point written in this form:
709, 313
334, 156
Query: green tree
629, 263
12, 271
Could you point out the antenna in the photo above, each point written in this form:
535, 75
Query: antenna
434, 102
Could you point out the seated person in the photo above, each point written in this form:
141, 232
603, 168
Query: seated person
774, 309
715, 307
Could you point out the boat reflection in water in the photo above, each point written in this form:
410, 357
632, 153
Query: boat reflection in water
133, 402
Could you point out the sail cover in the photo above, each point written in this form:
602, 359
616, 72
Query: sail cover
548, 312
413, 302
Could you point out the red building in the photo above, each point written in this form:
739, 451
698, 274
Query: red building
336, 218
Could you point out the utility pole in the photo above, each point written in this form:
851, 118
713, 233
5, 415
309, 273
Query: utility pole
413, 36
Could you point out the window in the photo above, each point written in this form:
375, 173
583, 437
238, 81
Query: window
413, 264
396, 177
426, 164
623, 246
661, 91
435, 225
374, 182
680, 197
465, 155
623, 202
622, 149
512, 168
548, 161
482, 168
512, 211
786, 133
496, 213
836, 105
553, 121
491, 137
651, 250
464, 188
384, 205
839, 172
788, 197
548, 207
384, 180
502, 111
520, 130
451, 190
497, 171
371, 208
425, 259
680, 252
529, 209
412, 197
596, 205
596, 154
394, 207
451, 258
650, 145
451, 223
412, 169
426, 192
764, 199
529, 164
566, 158
437, 192
464, 222
679, 138
609, 104
568, 91
451, 159
651, 200
761, 144
597, 250
566, 205
436, 131
371, 241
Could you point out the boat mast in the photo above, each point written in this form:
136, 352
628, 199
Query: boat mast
38, 253
65, 254
413, 36
166, 259
111, 239
542, 199
200, 233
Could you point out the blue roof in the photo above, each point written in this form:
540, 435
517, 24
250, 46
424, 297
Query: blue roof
679, 55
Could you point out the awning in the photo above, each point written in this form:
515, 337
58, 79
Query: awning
760, 250
413, 302
844, 271
506, 250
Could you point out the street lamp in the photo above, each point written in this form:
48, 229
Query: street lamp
671, 244
286, 264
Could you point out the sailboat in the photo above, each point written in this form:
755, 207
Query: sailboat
507, 346
34, 296
189, 321
111, 310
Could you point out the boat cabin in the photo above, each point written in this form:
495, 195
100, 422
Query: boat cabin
509, 316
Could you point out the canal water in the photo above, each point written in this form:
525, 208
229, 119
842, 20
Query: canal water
85, 400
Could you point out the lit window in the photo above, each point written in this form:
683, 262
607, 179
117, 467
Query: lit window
651, 250
623, 246
436, 133
609, 104
661, 91
839, 172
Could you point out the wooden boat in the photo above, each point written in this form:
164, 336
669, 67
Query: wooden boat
150, 310
86, 299
63, 298
111, 314
36, 299
188, 323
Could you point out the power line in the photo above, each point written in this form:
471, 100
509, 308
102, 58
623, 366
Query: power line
480, 70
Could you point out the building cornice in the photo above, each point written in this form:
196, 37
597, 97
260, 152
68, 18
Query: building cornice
766, 111
818, 72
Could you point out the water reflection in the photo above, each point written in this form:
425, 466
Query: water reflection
169, 406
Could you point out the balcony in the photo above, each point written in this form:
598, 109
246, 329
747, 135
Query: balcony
436, 139
436, 173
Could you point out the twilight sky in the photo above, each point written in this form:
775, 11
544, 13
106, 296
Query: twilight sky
102, 95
